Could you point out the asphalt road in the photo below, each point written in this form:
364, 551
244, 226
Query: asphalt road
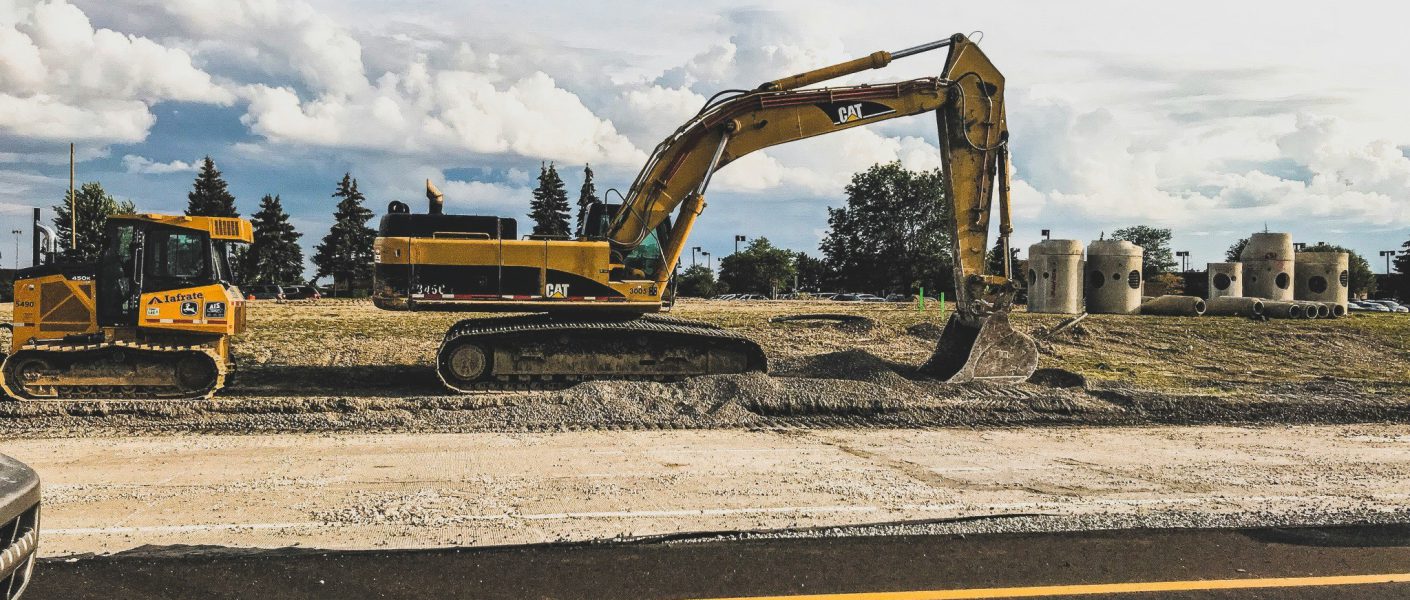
1278, 563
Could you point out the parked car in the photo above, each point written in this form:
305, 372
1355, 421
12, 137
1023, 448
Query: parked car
19, 526
751, 297
899, 297
264, 292
1390, 304
301, 292
857, 298
1366, 306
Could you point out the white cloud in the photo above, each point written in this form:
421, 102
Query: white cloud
427, 111
62, 79
146, 166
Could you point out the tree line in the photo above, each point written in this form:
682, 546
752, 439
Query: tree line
890, 236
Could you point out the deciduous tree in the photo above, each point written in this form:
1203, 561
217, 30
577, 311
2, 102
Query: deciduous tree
94, 205
761, 268
1156, 241
892, 235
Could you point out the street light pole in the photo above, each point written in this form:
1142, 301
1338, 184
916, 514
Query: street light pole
737, 240
1184, 260
710, 261
1387, 254
692, 255
17, 247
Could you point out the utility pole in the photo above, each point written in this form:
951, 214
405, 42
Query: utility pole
737, 240
73, 205
1387, 254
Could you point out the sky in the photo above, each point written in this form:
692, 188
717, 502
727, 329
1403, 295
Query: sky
1215, 119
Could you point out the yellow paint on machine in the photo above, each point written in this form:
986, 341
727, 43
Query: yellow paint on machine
1048, 591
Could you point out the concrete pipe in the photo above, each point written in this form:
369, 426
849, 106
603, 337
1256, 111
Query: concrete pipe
1055, 277
1226, 280
1334, 310
1284, 310
1268, 266
1313, 309
1114, 282
1323, 277
1233, 306
1174, 306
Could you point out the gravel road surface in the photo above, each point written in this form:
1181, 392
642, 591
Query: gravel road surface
366, 491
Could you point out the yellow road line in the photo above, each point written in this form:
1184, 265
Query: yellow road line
1103, 588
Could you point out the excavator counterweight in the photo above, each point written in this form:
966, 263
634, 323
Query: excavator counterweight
594, 285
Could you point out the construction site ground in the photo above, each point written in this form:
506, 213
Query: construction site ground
343, 365
335, 433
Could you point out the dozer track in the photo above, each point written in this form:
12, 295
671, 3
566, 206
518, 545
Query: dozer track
118, 370
546, 351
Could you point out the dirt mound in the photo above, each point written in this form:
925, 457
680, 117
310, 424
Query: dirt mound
926, 330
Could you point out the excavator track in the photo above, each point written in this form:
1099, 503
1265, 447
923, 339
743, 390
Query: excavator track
119, 370
548, 351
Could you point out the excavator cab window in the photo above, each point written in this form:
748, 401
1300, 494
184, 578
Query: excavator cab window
645, 260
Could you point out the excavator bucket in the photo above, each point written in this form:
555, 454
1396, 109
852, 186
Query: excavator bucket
984, 349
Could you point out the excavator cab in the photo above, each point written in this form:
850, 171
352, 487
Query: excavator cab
643, 261
151, 319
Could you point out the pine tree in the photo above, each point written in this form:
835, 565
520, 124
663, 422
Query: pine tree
275, 257
549, 208
1402, 260
94, 206
587, 196
346, 252
209, 196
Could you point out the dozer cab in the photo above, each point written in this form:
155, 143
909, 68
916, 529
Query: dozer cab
594, 290
150, 320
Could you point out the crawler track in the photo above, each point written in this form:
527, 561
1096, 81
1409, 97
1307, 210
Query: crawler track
120, 370
546, 352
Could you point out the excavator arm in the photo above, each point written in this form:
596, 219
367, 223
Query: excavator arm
968, 101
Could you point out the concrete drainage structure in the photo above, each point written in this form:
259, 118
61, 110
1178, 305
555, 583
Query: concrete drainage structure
1113, 282
1323, 277
1055, 277
1268, 266
1233, 306
1226, 280
1174, 306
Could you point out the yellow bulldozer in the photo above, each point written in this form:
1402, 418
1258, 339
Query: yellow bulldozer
150, 320
593, 291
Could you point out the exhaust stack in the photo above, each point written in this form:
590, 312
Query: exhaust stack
437, 200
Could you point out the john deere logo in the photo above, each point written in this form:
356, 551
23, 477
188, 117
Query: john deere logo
849, 112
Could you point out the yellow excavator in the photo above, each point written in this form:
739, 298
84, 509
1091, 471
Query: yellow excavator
593, 293
151, 320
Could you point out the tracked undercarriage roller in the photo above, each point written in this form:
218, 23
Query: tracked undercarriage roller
549, 351
112, 371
